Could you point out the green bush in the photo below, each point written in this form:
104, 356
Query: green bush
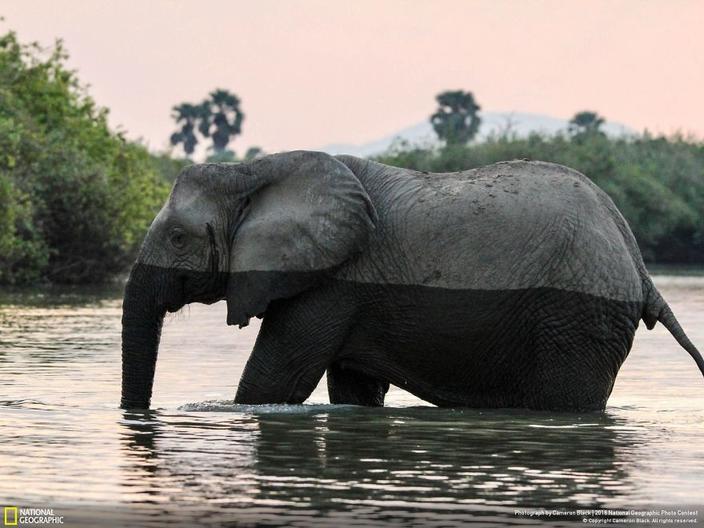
75, 197
656, 182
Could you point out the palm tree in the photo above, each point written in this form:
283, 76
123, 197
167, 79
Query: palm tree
226, 118
219, 117
456, 120
188, 115
585, 123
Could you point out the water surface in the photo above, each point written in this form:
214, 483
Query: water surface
199, 460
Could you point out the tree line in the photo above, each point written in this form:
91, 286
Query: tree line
77, 197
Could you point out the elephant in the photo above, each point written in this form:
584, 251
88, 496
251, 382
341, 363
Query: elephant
514, 285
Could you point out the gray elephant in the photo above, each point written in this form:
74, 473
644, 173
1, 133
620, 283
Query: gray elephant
514, 285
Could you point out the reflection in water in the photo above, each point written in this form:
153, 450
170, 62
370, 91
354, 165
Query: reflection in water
141, 441
357, 463
63, 442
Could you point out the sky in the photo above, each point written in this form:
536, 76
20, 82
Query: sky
314, 72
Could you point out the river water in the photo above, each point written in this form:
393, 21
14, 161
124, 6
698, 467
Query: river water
196, 459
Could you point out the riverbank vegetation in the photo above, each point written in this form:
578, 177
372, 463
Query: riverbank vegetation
77, 197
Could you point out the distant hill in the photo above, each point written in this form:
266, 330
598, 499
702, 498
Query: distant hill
422, 133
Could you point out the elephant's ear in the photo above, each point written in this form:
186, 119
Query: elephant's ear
307, 214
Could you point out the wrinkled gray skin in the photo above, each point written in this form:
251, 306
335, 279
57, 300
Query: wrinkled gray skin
514, 285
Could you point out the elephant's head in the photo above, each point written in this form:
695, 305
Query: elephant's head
249, 233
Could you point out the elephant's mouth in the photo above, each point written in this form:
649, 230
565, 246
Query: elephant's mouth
176, 297
245, 320
200, 287
174, 307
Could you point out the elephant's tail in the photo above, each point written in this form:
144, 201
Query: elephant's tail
656, 309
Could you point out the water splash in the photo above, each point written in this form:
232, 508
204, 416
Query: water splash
276, 408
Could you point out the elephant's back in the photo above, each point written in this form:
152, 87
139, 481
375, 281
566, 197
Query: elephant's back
507, 226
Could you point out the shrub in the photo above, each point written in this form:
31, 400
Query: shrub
75, 197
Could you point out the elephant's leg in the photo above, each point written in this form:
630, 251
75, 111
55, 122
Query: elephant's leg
348, 386
297, 341
579, 347
570, 377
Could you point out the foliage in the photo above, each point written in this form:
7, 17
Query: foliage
229, 156
456, 121
585, 124
225, 119
219, 117
168, 166
253, 153
188, 116
656, 182
75, 198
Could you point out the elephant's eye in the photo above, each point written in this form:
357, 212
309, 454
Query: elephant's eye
178, 238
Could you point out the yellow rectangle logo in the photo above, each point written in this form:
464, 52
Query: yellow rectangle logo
10, 516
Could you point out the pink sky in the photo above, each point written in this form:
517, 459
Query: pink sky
313, 72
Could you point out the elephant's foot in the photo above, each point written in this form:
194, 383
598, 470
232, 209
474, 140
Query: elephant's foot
347, 386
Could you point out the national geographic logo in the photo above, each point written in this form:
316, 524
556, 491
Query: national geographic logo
10, 516
14, 516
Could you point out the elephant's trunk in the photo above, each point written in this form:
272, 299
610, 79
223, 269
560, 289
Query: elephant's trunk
142, 317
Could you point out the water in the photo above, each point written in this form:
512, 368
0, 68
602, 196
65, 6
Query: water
197, 459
